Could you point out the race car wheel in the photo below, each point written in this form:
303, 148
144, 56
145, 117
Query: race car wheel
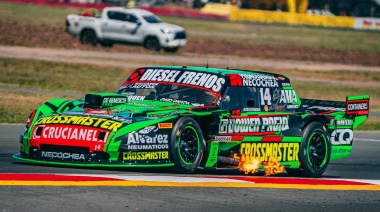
314, 153
152, 43
187, 146
88, 37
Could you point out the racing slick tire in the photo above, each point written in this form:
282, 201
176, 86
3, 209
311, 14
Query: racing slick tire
89, 37
314, 153
187, 145
152, 43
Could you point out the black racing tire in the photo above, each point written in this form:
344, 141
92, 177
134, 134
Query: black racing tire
152, 43
88, 37
187, 145
315, 151
171, 50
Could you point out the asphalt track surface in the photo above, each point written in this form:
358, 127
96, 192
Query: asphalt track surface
362, 165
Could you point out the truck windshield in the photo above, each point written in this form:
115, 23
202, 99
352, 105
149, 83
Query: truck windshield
152, 19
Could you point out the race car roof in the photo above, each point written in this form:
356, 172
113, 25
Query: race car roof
222, 71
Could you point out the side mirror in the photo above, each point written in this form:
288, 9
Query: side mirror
226, 99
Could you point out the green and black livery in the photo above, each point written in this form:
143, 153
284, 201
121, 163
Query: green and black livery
194, 117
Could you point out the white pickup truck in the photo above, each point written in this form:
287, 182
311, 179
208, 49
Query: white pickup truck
126, 26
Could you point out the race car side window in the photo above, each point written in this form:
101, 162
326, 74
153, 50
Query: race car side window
249, 99
243, 98
230, 99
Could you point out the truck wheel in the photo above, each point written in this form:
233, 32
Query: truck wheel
171, 50
314, 153
152, 43
187, 146
88, 37
106, 43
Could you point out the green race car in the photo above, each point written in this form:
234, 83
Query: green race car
191, 117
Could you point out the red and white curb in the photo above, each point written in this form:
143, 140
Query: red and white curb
17, 179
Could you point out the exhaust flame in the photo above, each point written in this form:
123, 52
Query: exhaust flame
271, 167
249, 166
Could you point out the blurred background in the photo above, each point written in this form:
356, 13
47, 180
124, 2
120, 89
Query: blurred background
330, 49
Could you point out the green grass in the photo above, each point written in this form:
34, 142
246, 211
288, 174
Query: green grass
33, 14
34, 74
16, 107
372, 123
220, 30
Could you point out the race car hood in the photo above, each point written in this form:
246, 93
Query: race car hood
123, 109
102, 119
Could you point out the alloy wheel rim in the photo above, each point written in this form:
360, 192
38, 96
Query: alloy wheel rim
317, 150
188, 147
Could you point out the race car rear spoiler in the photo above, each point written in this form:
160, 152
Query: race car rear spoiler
353, 106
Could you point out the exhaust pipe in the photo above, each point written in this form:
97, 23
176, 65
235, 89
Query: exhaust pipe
228, 160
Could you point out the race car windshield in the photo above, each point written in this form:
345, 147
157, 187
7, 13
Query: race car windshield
168, 93
152, 19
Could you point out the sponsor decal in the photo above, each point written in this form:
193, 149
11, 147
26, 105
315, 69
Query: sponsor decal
174, 101
259, 80
223, 138
111, 101
292, 106
342, 137
165, 126
81, 120
235, 79
141, 85
136, 98
288, 97
346, 122
324, 108
357, 106
156, 116
340, 150
69, 133
148, 129
360, 107
147, 146
137, 138
62, 155
206, 80
161, 155
266, 151
121, 119
252, 80
253, 124
250, 109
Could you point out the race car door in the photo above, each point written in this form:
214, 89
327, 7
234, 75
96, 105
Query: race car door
254, 111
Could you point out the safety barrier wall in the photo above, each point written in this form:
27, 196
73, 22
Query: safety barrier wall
280, 17
269, 17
